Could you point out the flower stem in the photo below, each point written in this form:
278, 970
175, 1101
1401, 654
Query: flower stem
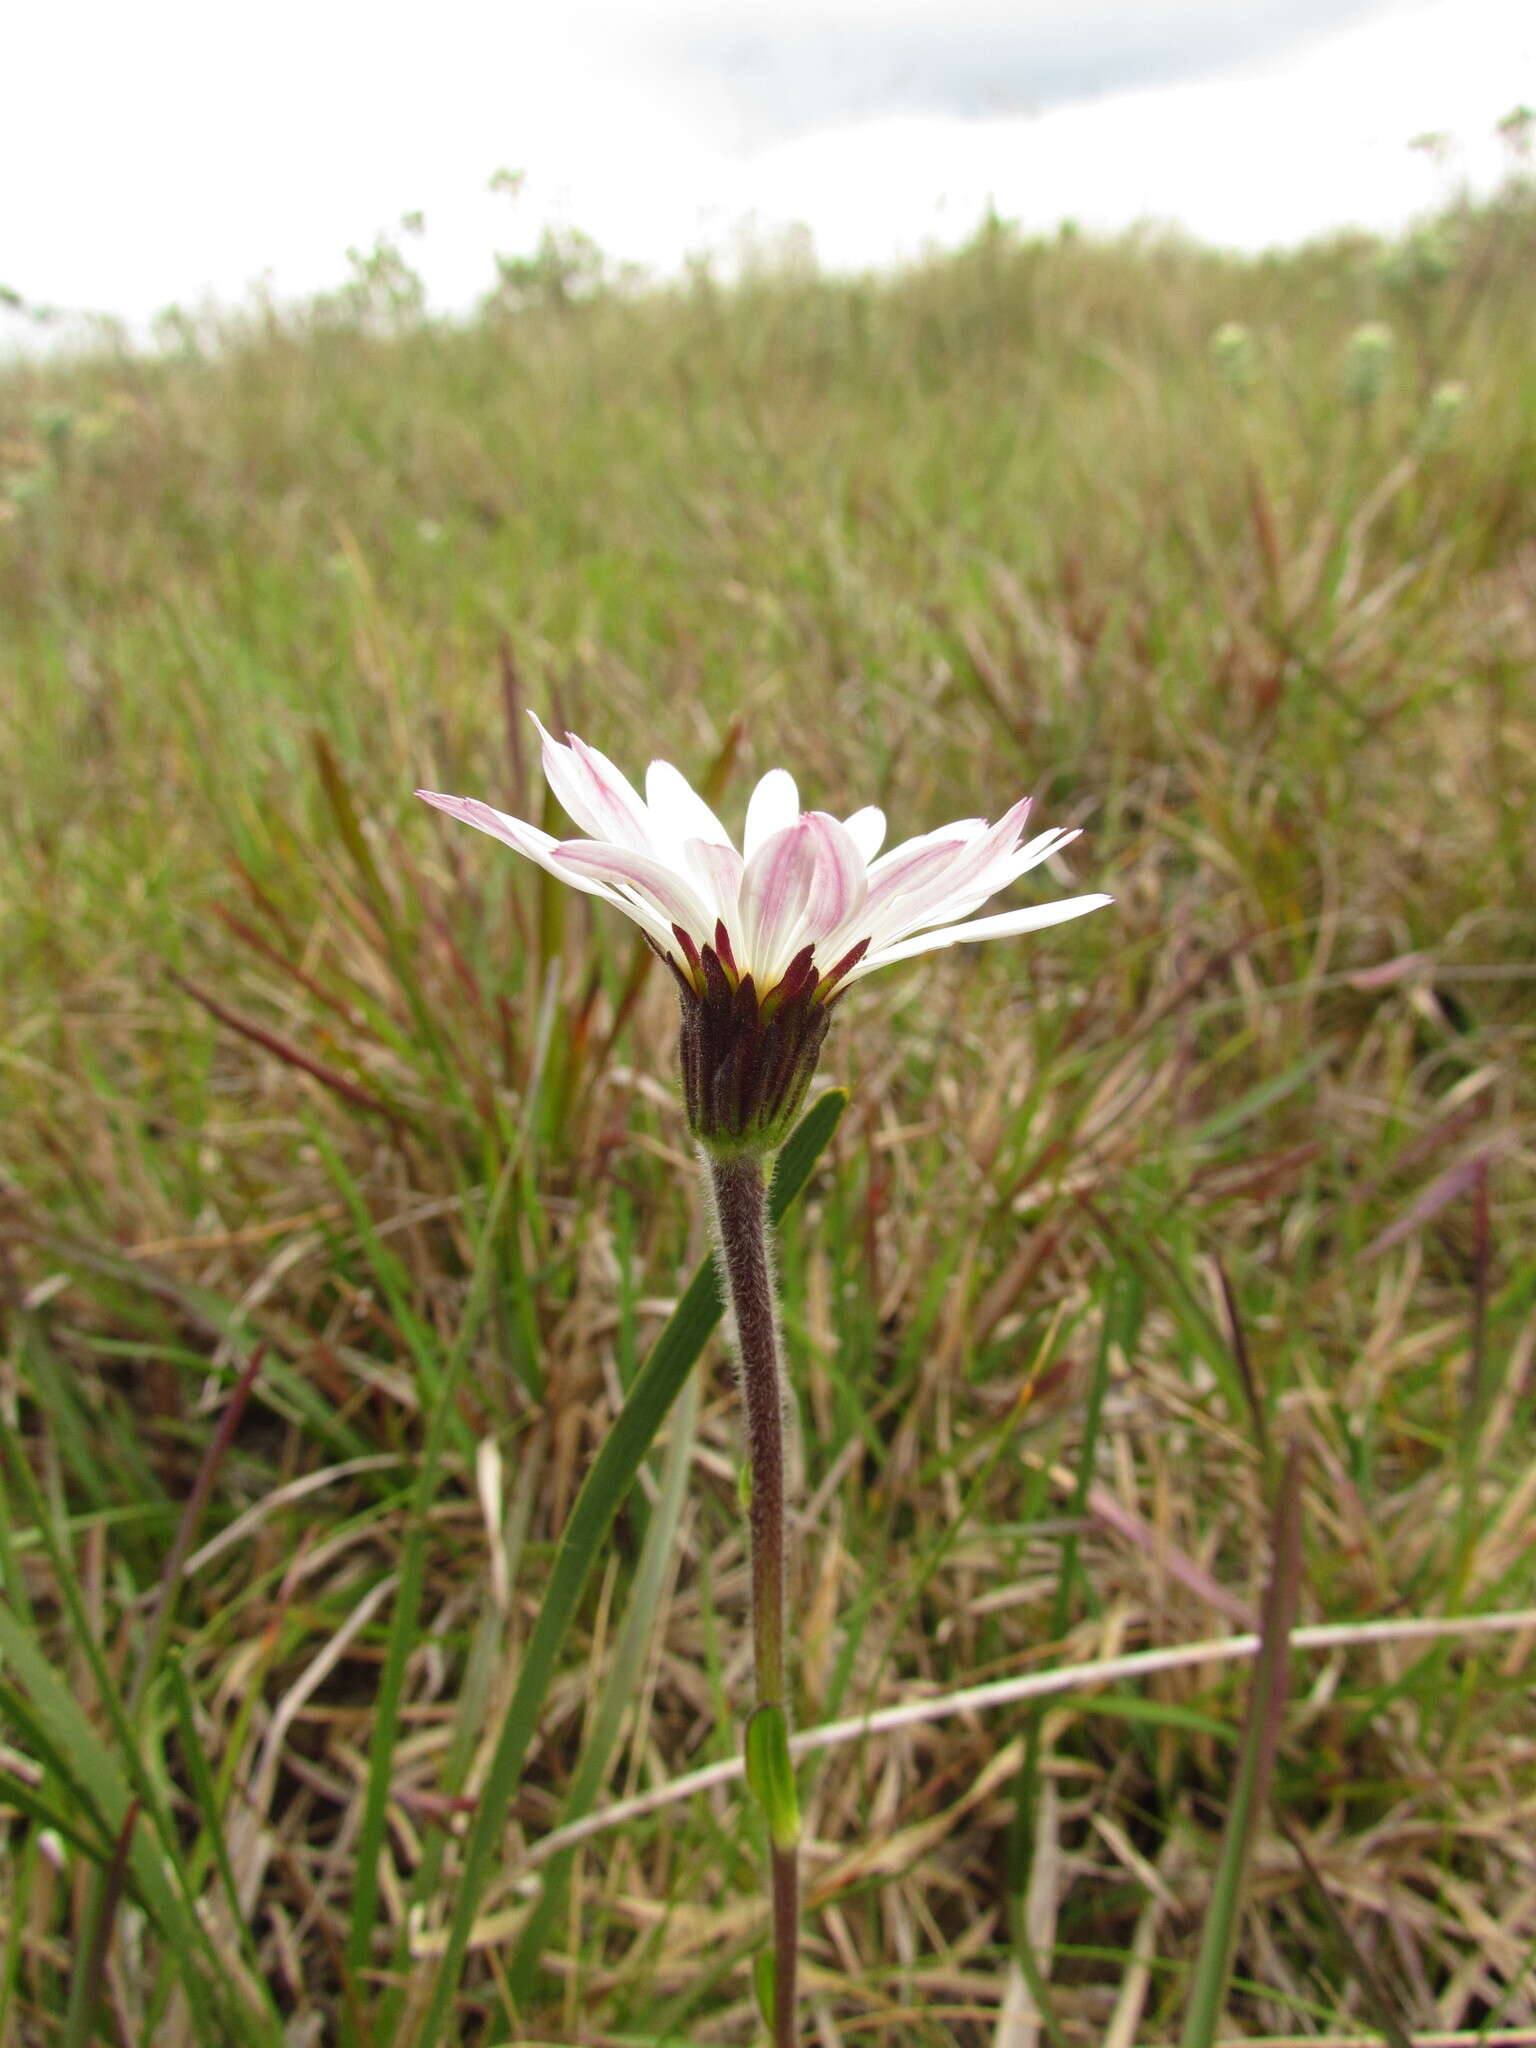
741, 1218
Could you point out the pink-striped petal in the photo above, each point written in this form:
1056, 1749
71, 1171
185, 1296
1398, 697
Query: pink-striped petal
652, 880
539, 846
1007, 924
598, 796
929, 895
527, 839
907, 865
910, 870
718, 870
840, 883
993, 845
774, 890
905, 868
961, 833
999, 875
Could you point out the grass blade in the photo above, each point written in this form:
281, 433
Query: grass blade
1250, 1787
402, 1636
622, 1683
283, 1049
101, 1912
1372, 1983
187, 1529
213, 1843
119, 1781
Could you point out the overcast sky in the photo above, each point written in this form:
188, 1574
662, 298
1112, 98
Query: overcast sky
177, 150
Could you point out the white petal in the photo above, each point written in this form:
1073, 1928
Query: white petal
775, 805
678, 812
560, 772
616, 795
1008, 924
653, 881
1041, 848
995, 844
866, 829
773, 897
599, 798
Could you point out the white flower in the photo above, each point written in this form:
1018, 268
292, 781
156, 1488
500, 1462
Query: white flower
803, 879
763, 941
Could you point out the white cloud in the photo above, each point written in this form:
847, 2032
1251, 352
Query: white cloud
1252, 158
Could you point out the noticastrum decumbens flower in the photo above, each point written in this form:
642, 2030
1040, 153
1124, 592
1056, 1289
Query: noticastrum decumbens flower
763, 941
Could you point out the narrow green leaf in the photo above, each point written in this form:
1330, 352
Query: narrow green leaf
44, 1747
771, 1775
1234, 1115
283, 1388
343, 811
396, 1289
21, 1872
402, 957
1146, 1258
1130, 1706
762, 1984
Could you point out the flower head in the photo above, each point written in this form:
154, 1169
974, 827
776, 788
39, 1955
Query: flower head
762, 941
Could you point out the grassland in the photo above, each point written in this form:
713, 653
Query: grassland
344, 1190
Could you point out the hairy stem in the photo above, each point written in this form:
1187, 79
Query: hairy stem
741, 1217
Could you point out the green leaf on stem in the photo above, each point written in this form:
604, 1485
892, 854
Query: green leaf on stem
771, 1775
762, 1983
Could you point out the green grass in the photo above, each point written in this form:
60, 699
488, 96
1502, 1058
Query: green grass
1116, 1217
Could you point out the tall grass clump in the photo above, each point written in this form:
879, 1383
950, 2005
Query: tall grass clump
1160, 1317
